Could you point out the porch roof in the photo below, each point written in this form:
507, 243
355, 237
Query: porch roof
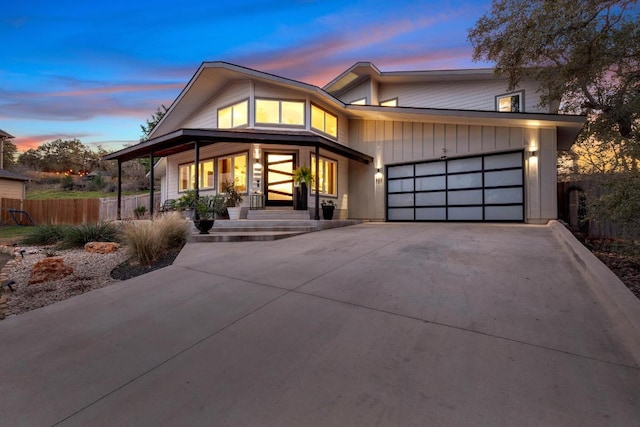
184, 140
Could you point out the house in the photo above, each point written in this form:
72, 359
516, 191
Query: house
12, 185
397, 146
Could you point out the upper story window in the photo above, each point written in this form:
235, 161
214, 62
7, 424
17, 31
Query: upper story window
324, 121
511, 102
277, 112
362, 101
234, 115
389, 103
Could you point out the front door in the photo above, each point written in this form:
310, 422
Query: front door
279, 178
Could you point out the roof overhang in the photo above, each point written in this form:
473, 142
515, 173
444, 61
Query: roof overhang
4, 135
568, 126
184, 140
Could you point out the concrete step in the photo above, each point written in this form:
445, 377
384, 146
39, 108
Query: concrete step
244, 236
277, 214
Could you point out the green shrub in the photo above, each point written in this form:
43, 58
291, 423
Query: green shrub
79, 235
96, 183
45, 235
149, 240
67, 183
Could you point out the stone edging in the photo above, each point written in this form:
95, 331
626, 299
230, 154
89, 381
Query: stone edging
619, 302
4, 276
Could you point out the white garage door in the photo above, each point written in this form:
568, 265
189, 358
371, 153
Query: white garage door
480, 188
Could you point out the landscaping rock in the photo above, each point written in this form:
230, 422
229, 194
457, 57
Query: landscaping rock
102, 247
47, 269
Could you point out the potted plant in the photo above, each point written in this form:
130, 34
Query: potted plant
206, 209
327, 209
233, 200
302, 179
186, 204
139, 211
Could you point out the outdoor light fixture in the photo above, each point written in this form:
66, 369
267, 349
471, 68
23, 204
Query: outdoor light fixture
378, 176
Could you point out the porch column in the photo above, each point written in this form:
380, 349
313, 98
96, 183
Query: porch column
151, 179
317, 182
119, 208
196, 186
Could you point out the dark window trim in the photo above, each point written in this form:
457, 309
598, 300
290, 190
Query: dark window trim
232, 105
518, 92
191, 163
216, 169
313, 104
313, 189
390, 99
280, 101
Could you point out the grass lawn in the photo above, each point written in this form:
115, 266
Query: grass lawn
55, 193
12, 233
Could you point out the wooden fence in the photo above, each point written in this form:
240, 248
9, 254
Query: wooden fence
54, 211
72, 211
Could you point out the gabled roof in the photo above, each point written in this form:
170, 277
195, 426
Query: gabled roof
5, 174
361, 71
211, 78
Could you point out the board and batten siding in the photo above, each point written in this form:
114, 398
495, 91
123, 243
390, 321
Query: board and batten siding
478, 95
207, 116
391, 142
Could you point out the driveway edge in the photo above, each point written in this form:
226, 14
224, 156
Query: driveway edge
620, 303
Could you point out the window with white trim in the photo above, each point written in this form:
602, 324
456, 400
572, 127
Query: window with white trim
187, 176
234, 115
324, 121
233, 168
510, 103
327, 176
278, 112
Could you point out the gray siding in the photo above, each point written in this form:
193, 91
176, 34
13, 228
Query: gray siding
207, 117
470, 95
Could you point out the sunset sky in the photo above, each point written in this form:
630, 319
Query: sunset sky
97, 70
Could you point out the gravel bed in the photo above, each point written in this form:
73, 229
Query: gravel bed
90, 271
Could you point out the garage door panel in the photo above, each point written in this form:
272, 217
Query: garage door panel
466, 197
401, 214
434, 168
431, 214
405, 199
436, 198
398, 185
494, 196
400, 171
465, 213
503, 161
498, 178
431, 183
467, 180
504, 213
471, 164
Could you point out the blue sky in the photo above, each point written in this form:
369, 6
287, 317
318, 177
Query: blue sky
97, 70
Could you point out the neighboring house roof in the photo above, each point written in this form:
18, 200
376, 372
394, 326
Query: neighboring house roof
5, 174
4, 134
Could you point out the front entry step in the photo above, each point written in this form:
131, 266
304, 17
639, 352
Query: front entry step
278, 214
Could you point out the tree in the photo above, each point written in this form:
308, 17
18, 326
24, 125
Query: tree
586, 56
153, 122
9, 154
585, 53
61, 155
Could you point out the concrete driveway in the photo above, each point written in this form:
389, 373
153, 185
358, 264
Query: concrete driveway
375, 324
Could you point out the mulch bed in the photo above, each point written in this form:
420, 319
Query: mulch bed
128, 269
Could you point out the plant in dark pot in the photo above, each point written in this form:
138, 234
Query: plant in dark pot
206, 209
327, 209
302, 179
233, 199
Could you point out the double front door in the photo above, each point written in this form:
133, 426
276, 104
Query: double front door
279, 178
